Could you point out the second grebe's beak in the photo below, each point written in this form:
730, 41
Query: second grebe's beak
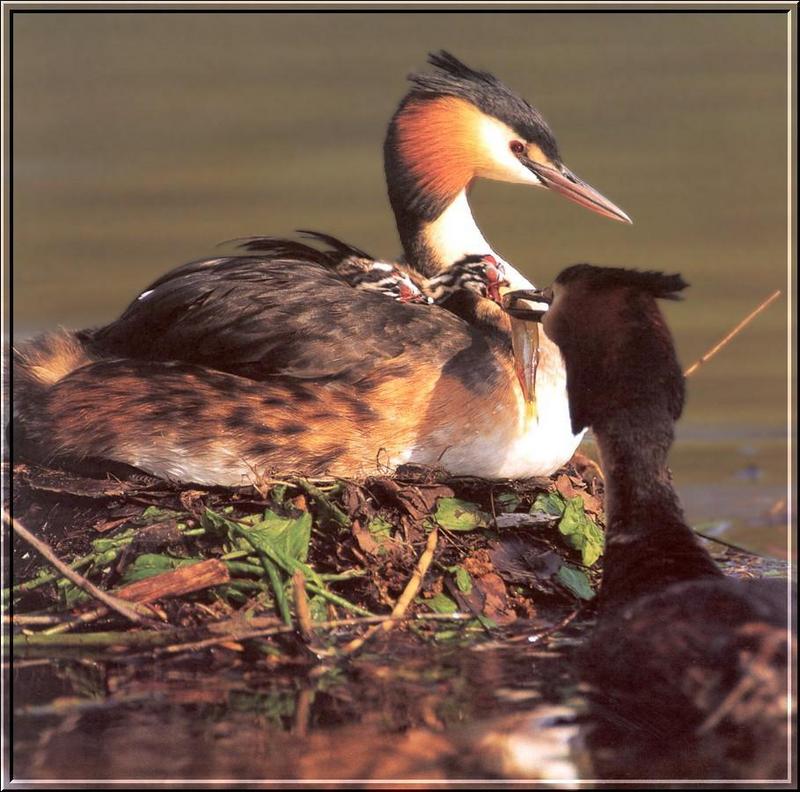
526, 307
528, 304
566, 183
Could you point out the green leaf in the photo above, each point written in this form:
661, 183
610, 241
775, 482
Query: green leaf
278, 493
463, 580
485, 621
507, 502
149, 564
72, 594
380, 529
441, 603
215, 523
283, 545
460, 515
551, 503
107, 548
581, 532
443, 636
116, 542
576, 581
280, 543
288, 535
153, 514
318, 607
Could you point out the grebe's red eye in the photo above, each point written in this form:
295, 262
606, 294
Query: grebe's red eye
516, 146
489, 259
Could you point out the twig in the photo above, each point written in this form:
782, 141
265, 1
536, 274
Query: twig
87, 617
267, 632
40, 580
162, 641
22, 618
415, 582
405, 599
769, 639
18, 664
302, 712
301, 609
97, 640
746, 321
175, 583
570, 617
732, 546
114, 603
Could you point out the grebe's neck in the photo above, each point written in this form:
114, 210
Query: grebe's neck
431, 159
634, 455
648, 543
447, 238
431, 245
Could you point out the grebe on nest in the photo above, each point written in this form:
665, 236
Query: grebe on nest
272, 360
687, 668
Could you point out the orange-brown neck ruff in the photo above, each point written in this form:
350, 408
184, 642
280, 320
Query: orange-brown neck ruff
438, 141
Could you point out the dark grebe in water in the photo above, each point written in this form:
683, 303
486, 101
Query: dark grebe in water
688, 669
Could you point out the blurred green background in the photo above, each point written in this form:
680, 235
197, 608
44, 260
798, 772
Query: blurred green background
142, 140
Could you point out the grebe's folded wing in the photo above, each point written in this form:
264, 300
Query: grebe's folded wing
259, 316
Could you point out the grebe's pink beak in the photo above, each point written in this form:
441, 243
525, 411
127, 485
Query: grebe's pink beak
563, 181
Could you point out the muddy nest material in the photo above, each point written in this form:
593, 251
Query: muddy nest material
293, 563
292, 550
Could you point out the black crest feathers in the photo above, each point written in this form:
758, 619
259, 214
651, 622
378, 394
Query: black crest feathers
454, 78
657, 284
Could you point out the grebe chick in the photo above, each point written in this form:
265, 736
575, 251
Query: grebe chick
356, 267
482, 274
687, 668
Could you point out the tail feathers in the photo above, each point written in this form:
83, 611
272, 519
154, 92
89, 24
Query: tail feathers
292, 250
41, 363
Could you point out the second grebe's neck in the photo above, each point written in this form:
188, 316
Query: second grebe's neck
634, 455
648, 542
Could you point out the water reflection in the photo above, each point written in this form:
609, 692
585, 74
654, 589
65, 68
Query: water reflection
400, 711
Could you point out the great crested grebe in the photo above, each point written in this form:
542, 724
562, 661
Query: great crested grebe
296, 327
686, 666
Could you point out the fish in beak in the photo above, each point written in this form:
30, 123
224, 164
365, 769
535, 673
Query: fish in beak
525, 308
